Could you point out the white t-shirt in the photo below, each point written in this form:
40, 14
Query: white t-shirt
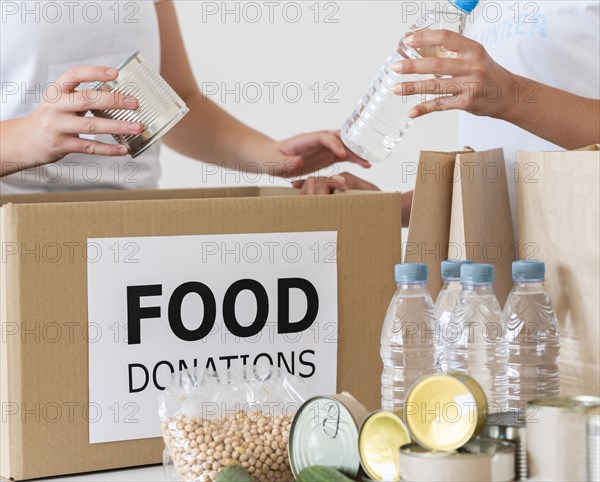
41, 40
550, 41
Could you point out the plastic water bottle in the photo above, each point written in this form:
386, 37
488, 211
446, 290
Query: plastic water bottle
533, 337
476, 342
380, 118
407, 337
445, 304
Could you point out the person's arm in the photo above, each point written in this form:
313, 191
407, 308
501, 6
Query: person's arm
52, 130
475, 83
210, 134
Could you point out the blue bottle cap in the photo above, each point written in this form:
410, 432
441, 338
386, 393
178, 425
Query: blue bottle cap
478, 274
451, 269
408, 273
529, 270
466, 6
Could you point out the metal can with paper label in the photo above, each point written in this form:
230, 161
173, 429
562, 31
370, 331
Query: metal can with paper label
381, 436
325, 432
444, 412
556, 437
482, 460
159, 106
593, 445
510, 426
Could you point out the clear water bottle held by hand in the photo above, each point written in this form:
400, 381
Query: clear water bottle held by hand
533, 337
408, 336
476, 341
381, 117
445, 304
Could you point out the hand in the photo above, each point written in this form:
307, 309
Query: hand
471, 81
52, 131
326, 185
308, 153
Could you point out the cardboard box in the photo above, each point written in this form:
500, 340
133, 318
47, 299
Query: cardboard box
44, 377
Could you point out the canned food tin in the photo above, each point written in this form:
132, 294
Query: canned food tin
381, 436
444, 412
510, 426
159, 106
481, 460
593, 445
556, 437
325, 432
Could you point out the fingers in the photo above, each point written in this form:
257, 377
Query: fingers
333, 143
98, 125
351, 156
320, 185
75, 76
431, 65
326, 185
84, 100
86, 146
432, 86
354, 182
291, 167
431, 38
436, 105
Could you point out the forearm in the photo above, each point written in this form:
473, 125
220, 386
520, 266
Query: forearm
208, 133
565, 119
12, 155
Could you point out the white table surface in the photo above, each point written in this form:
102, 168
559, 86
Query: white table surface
152, 473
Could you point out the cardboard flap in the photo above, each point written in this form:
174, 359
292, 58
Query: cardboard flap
11, 440
138, 195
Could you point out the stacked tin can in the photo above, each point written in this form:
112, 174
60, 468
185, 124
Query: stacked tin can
510, 427
559, 436
593, 445
443, 414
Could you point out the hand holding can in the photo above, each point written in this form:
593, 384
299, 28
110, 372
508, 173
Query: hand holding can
52, 131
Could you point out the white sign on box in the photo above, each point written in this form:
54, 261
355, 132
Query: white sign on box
157, 305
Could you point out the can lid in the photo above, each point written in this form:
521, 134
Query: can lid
442, 412
477, 274
381, 434
569, 404
466, 6
451, 268
411, 273
529, 270
481, 447
324, 432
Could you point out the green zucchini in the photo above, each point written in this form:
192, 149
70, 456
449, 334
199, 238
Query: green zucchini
233, 473
319, 473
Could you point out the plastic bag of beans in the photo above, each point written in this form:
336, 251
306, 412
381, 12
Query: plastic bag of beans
213, 419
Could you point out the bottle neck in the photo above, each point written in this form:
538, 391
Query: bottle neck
480, 288
412, 288
530, 286
451, 282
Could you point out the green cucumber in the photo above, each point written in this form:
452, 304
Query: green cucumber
233, 473
319, 473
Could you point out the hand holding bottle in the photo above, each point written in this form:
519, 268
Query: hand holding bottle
470, 80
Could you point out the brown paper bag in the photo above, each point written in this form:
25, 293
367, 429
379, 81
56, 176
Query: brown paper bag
429, 227
461, 210
559, 213
481, 227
